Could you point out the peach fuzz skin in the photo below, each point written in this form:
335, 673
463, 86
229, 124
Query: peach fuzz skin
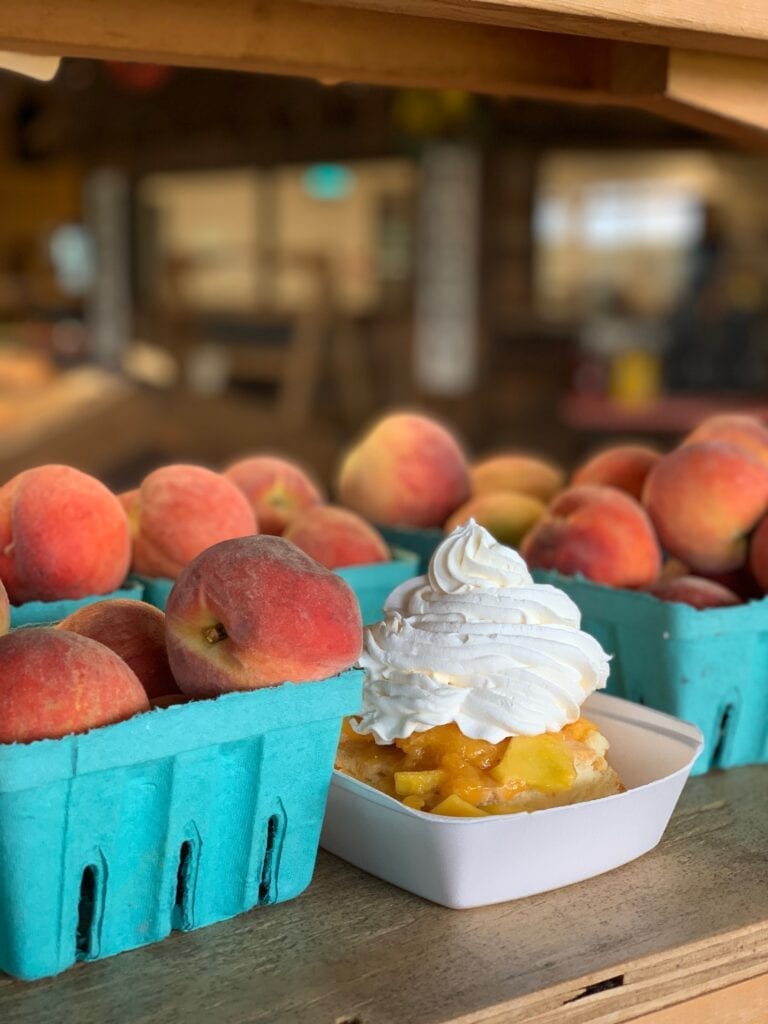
257, 612
505, 514
704, 500
758, 556
743, 431
516, 471
5, 610
135, 631
600, 532
696, 591
53, 683
336, 537
622, 466
408, 470
181, 510
63, 534
277, 489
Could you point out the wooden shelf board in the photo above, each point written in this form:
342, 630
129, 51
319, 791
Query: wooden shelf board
739, 26
348, 40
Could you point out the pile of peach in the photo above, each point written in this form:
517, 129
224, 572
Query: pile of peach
690, 525
64, 535
409, 470
246, 613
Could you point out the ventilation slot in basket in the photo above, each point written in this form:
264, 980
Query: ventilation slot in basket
86, 939
267, 893
181, 915
719, 751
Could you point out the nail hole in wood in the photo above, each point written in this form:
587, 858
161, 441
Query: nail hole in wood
599, 986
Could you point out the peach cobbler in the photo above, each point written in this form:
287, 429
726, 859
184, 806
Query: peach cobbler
473, 691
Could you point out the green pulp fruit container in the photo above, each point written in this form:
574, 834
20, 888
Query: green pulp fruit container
45, 613
173, 820
708, 667
374, 583
413, 538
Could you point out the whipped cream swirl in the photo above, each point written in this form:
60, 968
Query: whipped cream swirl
478, 643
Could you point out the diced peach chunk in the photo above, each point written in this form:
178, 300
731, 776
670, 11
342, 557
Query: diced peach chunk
417, 783
453, 806
540, 762
416, 803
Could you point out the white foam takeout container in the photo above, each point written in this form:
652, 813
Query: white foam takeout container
472, 862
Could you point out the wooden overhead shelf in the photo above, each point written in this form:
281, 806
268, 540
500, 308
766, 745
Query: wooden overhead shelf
703, 62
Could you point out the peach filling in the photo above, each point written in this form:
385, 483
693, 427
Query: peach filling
443, 771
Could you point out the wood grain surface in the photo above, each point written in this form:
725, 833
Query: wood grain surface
689, 918
740, 26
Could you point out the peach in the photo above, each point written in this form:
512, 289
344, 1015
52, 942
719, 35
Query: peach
694, 590
256, 612
278, 490
180, 511
135, 631
747, 432
53, 683
63, 534
408, 470
516, 471
506, 514
624, 466
600, 532
337, 537
169, 700
5, 610
758, 555
704, 499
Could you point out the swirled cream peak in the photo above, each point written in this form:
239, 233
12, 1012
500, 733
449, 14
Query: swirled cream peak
478, 643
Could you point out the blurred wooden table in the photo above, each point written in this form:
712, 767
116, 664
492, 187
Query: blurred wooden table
677, 937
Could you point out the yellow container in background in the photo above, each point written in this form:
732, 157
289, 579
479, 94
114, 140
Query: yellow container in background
635, 377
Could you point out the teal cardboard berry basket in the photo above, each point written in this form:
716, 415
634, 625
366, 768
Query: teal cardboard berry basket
413, 538
42, 613
372, 583
173, 820
707, 667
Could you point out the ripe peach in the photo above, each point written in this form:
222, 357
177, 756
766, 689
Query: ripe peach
53, 683
747, 432
182, 510
135, 631
704, 499
408, 470
5, 610
624, 466
516, 471
169, 699
758, 555
63, 534
600, 532
506, 514
278, 490
336, 537
695, 591
256, 612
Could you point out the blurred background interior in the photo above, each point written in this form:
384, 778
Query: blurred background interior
197, 264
